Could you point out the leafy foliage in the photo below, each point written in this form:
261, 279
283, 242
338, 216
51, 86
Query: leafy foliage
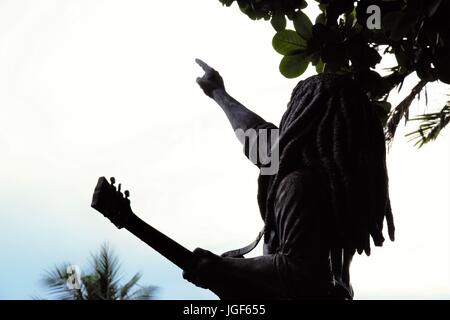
101, 283
416, 32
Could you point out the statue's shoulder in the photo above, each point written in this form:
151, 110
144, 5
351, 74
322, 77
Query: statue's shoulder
303, 193
301, 182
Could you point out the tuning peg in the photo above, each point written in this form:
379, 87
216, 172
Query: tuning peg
127, 194
113, 181
120, 187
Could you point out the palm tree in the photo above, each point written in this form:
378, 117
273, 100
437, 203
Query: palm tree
101, 283
431, 125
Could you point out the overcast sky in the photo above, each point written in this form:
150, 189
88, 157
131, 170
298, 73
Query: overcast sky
91, 88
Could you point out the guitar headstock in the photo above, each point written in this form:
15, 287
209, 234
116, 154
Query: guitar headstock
111, 202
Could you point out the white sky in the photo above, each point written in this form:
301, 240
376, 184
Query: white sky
91, 88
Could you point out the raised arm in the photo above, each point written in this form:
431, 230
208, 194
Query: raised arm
239, 116
254, 133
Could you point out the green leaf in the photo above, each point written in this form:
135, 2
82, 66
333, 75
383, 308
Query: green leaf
303, 5
294, 66
320, 66
302, 25
317, 62
288, 42
278, 21
321, 19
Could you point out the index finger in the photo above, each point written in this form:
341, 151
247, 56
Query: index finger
203, 65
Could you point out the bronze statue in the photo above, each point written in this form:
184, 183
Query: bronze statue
328, 197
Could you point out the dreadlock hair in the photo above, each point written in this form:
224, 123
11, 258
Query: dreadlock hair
330, 124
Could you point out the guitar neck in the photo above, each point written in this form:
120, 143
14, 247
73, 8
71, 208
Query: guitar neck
164, 245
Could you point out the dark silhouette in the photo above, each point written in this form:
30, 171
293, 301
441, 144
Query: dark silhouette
329, 196
354, 36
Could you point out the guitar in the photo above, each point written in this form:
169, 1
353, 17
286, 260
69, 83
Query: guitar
115, 206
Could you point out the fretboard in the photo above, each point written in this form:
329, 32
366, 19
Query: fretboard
164, 245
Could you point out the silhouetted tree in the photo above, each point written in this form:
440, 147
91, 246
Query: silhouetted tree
354, 36
102, 282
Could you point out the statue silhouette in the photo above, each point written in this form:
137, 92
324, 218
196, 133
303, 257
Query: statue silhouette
328, 198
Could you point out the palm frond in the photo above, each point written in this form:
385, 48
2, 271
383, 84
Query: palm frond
106, 268
143, 293
102, 282
90, 282
402, 110
125, 289
431, 126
